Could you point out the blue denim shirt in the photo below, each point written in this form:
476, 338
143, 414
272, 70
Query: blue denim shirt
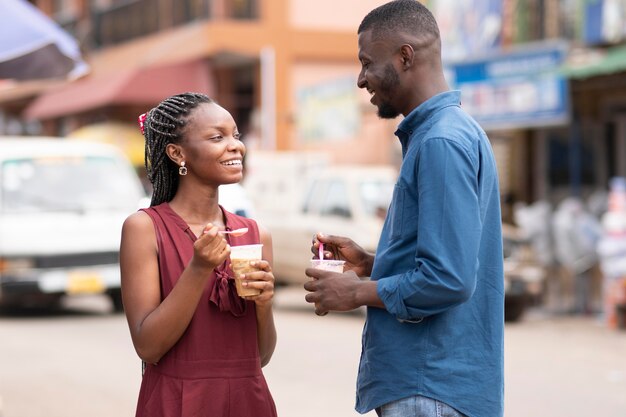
439, 271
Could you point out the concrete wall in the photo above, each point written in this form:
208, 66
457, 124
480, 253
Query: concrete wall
330, 14
342, 121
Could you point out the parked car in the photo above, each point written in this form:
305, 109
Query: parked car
297, 195
341, 200
62, 205
233, 198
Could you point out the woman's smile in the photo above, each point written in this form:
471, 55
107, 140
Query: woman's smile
233, 163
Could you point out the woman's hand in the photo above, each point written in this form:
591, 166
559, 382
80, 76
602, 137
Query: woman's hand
210, 250
263, 280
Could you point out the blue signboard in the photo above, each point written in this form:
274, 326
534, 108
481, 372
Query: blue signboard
517, 89
604, 21
468, 27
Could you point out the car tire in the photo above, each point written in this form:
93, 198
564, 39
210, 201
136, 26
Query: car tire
514, 307
116, 300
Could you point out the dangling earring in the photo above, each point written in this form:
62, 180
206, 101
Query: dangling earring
182, 170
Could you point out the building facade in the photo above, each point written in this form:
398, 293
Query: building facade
543, 77
286, 69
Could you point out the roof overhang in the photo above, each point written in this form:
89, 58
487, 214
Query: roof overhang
593, 63
146, 86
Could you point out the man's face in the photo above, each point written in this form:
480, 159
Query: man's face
378, 75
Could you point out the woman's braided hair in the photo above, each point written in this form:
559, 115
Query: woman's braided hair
164, 124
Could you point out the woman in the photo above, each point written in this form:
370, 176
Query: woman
203, 346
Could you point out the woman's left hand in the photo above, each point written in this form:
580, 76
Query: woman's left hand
263, 279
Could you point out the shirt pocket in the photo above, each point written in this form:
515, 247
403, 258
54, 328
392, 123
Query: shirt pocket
403, 214
396, 212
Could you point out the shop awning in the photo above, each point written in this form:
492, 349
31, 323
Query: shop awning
148, 85
614, 60
11, 91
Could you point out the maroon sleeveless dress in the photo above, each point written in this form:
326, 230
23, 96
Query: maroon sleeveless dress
214, 370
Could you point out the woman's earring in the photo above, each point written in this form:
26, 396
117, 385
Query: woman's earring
182, 170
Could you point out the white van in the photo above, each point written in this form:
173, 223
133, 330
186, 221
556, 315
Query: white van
62, 205
298, 195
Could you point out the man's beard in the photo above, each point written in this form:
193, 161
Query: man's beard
390, 82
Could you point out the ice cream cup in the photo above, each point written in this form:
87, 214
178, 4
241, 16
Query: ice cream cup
240, 258
332, 265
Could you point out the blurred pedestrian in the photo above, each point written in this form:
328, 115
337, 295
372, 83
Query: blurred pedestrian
576, 236
203, 346
433, 339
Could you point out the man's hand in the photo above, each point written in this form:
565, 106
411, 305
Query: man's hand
343, 248
331, 290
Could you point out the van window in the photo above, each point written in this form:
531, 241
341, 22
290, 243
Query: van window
67, 183
376, 197
315, 196
337, 202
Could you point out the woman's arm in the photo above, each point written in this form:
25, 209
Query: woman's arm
264, 280
156, 326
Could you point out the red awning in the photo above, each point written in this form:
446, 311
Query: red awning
133, 86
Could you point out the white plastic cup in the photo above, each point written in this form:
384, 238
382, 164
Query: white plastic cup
240, 258
332, 265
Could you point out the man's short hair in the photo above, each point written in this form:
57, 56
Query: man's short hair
407, 16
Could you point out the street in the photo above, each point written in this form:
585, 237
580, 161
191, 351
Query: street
80, 362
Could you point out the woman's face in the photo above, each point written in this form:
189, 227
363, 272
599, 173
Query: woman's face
211, 145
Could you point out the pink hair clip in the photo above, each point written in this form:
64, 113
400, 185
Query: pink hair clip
142, 119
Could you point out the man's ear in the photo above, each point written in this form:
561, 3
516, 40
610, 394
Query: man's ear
175, 153
407, 56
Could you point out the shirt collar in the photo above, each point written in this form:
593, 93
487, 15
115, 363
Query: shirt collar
415, 120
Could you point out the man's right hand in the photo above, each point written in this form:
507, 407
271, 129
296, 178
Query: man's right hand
343, 248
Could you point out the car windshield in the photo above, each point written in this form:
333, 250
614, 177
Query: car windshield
67, 184
376, 196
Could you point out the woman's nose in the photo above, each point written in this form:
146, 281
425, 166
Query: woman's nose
235, 144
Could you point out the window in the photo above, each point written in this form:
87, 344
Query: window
376, 197
65, 184
243, 9
315, 195
337, 201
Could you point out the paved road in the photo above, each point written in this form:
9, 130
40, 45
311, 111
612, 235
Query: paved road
79, 362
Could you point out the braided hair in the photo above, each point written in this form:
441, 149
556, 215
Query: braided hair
164, 124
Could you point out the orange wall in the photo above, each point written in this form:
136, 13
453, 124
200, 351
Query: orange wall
315, 42
372, 141
330, 14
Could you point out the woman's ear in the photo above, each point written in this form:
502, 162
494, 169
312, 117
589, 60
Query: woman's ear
175, 153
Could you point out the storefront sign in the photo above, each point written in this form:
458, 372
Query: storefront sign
328, 111
517, 89
468, 27
604, 21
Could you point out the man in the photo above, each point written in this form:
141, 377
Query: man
433, 339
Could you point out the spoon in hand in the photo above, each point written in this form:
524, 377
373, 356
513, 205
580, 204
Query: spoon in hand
236, 232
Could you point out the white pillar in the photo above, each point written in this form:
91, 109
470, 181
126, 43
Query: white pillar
268, 98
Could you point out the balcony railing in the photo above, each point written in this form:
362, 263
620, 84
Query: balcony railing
135, 18
138, 18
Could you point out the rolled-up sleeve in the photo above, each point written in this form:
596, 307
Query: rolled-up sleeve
448, 235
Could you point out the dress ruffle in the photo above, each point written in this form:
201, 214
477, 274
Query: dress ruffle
224, 293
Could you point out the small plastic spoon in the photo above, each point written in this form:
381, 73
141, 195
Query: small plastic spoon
321, 251
236, 232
